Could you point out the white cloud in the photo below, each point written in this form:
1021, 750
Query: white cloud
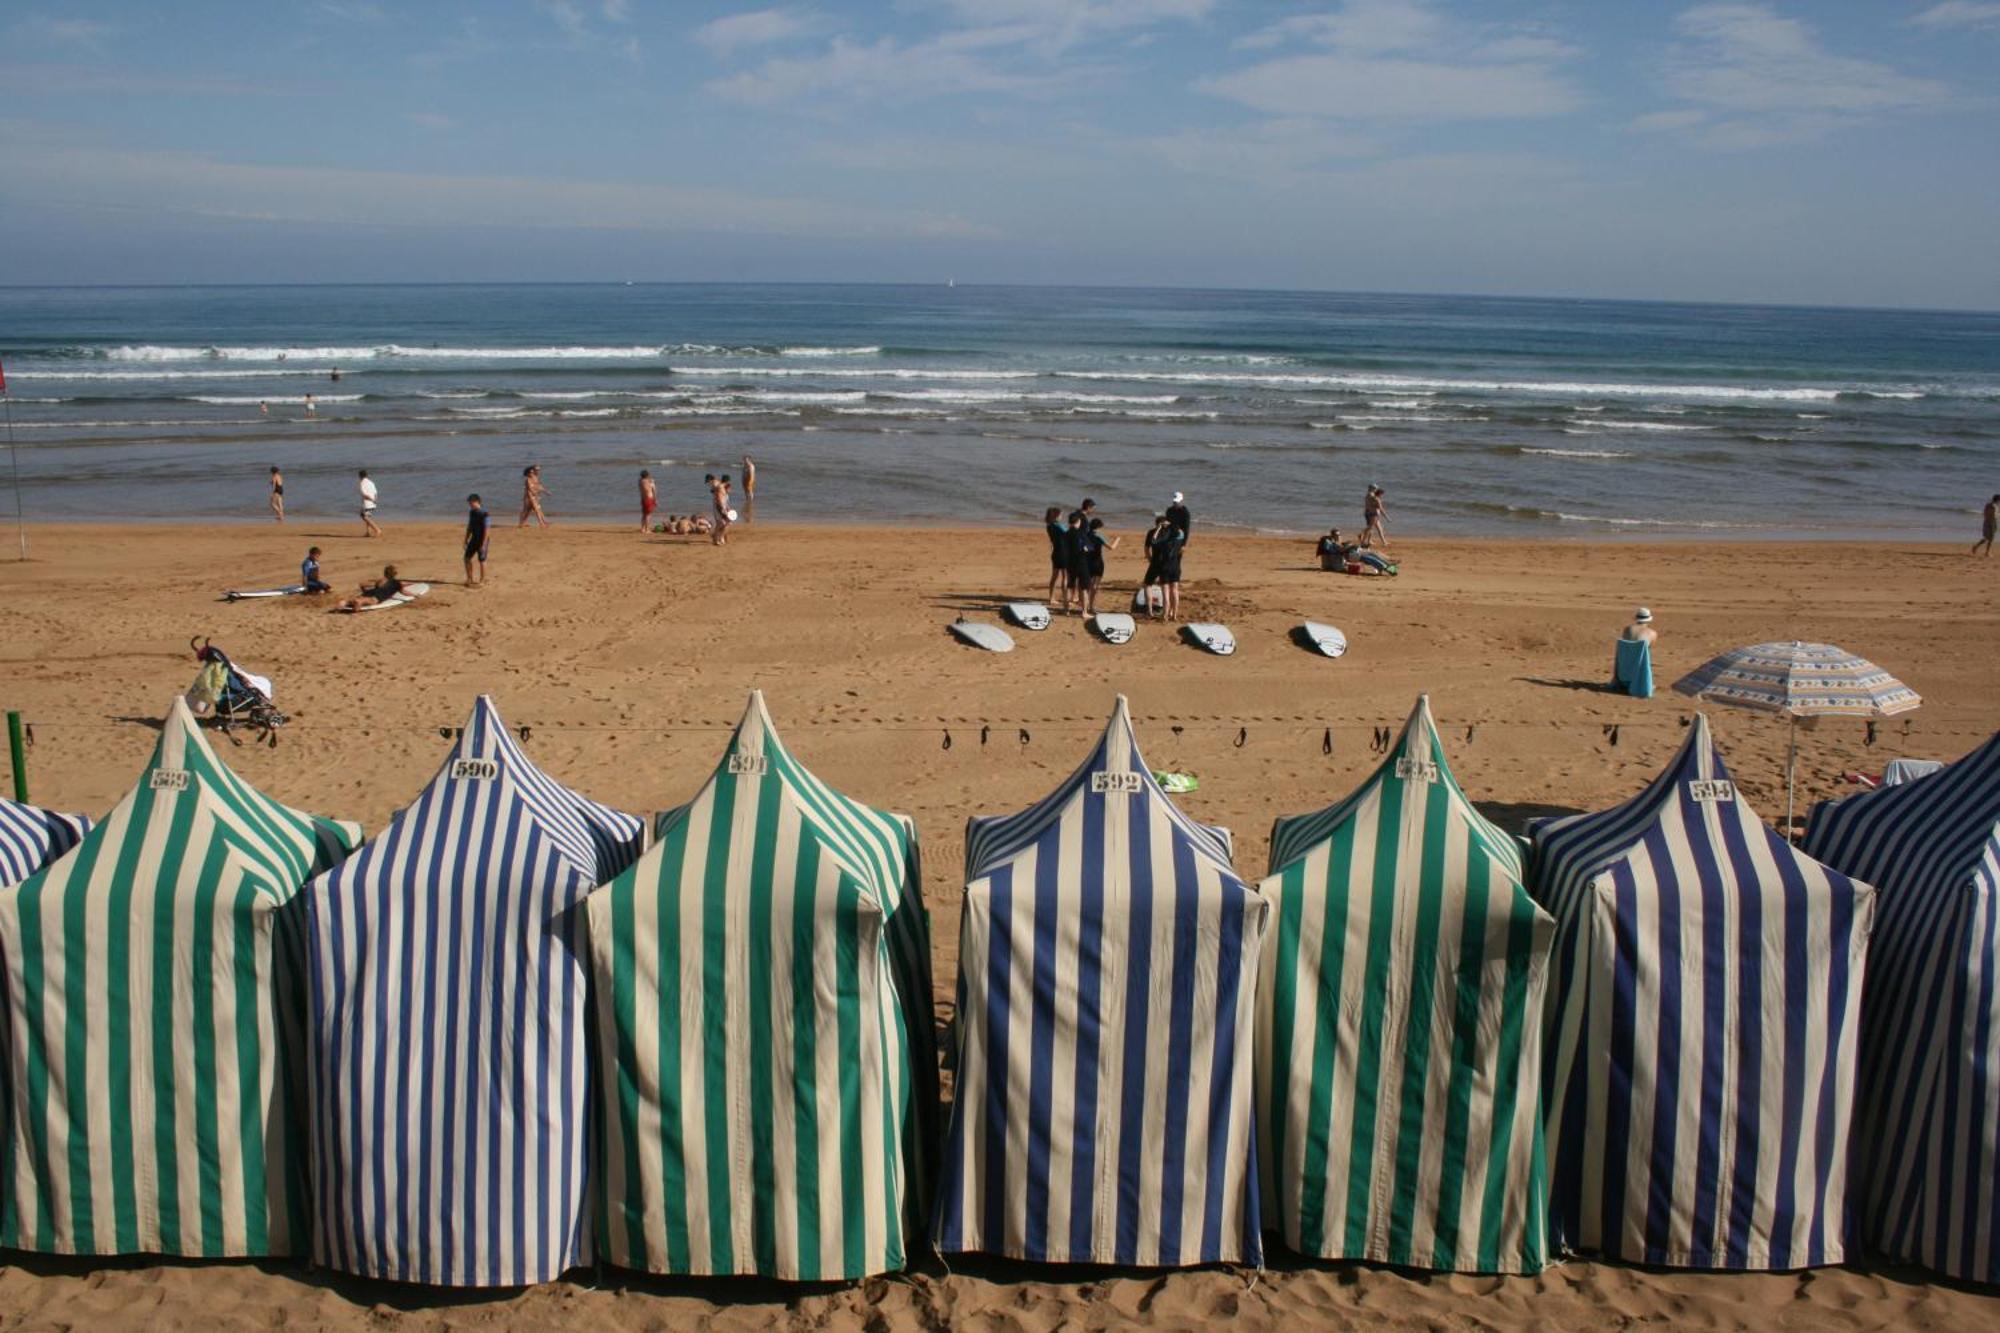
1071, 20
755, 27
1400, 60
1665, 122
67, 174
432, 121
1758, 78
1959, 14
43, 28
886, 70
617, 11
1272, 153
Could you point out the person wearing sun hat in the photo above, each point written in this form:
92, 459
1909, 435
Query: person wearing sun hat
1178, 515
1641, 629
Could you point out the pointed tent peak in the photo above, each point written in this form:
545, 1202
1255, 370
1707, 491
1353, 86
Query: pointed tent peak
1118, 752
181, 742
1419, 751
1699, 760
756, 733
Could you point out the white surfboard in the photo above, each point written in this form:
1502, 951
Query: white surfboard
1113, 627
1215, 638
1028, 615
233, 595
990, 637
1325, 638
410, 593
1149, 598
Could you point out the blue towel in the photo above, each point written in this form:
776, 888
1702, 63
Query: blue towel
1632, 669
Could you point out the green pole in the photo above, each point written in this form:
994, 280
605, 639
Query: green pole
20, 754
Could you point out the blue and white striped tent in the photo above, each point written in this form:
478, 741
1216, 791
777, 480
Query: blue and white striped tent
31, 837
1704, 1008
448, 1030
1107, 965
1929, 1106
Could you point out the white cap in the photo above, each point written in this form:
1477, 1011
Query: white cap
1177, 497
1642, 615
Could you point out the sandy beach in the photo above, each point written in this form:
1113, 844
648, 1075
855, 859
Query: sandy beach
626, 659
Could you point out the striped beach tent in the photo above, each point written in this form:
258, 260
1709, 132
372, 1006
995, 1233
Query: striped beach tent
447, 1029
1399, 1028
1928, 1116
31, 837
766, 1068
1703, 1015
153, 991
1107, 964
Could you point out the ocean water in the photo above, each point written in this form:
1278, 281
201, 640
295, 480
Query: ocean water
1271, 410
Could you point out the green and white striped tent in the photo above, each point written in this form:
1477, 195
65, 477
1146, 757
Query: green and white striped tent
154, 983
1399, 1040
766, 1071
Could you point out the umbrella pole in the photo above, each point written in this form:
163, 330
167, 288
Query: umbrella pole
1791, 778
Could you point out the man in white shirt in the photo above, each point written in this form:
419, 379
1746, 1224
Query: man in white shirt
368, 505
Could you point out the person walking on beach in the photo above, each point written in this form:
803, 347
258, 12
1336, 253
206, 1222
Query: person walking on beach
477, 541
277, 494
1989, 521
532, 495
649, 499
1641, 629
1373, 512
368, 527
750, 483
718, 499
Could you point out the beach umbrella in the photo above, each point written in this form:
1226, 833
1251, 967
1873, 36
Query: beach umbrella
1798, 680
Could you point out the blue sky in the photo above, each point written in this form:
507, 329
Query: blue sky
1840, 151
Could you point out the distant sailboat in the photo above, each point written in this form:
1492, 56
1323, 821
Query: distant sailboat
950, 282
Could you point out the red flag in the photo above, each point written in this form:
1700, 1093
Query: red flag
3, 377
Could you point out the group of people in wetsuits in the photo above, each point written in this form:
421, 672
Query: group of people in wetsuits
1076, 557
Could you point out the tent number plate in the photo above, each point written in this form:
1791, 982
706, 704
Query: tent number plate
1416, 770
475, 770
1117, 784
169, 779
1712, 791
748, 765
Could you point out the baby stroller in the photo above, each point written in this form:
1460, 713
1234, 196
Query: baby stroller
230, 697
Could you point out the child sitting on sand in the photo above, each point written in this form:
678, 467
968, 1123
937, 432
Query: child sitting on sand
371, 596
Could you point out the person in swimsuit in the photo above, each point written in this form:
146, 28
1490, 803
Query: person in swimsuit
477, 541
1074, 565
1179, 515
1172, 542
749, 481
1373, 511
718, 496
277, 494
368, 505
1058, 560
309, 573
649, 498
1988, 524
371, 594
532, 494
311, 407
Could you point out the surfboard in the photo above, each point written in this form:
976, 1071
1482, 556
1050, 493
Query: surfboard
1028, 615
1325, 639
990, 637
1148, 604
410, 593
1215, 638
1113, 627
293, 590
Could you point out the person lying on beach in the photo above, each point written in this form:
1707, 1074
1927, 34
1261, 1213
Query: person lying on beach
370, 595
